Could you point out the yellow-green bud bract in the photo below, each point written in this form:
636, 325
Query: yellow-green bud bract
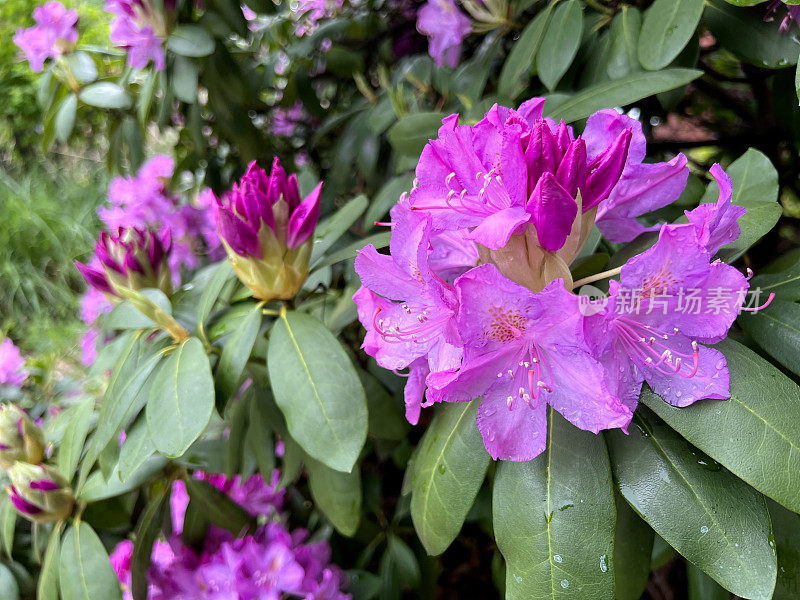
40, 493
20, 438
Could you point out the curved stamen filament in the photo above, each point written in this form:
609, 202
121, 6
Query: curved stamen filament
762, 307
644, 343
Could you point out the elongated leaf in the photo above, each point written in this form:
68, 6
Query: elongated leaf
410, 134
386, 198
622, 58
105, 94
8, 523
785, 285
562, 38
712, 518
220, 510
755, 434
136, 449
702, 587
786, 526
519, 64
668, 26
633, 547
336, 494
554, 518
777, 330
98, 488
195, 525
85, 571
191, 40
184, 79
235, 354
329, 232
449, 467
146, 532
379, 240
181, 399
8, 583
620, 92
318, 390
385, 418
47, 588
71, 446
222, 274
65, 118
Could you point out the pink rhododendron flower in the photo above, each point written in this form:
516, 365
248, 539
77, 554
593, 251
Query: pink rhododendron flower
139, 28
55, 32
285, 120
792, 14
446, 27
12, 365
310, 12
517, 195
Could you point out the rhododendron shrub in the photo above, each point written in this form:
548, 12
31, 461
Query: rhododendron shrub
447, 298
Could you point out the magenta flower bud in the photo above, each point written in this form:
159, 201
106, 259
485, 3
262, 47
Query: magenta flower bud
553, 211
40, 493
132, 258
571, 173
606, 170
267, 231
20, 438
542, 153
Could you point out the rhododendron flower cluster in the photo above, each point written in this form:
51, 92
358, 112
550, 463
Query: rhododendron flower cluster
54, 34
310, 12
12, 365
139, 27
476, 297
269, 563
445, 27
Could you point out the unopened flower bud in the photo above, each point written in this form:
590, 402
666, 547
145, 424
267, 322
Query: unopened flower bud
20, 438
40, 493
268, 231
131, 259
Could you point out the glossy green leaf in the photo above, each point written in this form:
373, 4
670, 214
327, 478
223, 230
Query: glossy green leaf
184, 79
777, 330
562, 38
554, 518
746, 34
83, 67
785, 285
47, 587
136, 449
219, 508
449, 467
190, 40
702, 587
65, 117
9, 586
318, 390
379, 240
754, 178
98, 487
105, 94
668, 26
195, 525
519, 63
620, 92
385, 418
259, 438
410, 134
622, 58
85, 571
147, 530
386, 198
755, 434
71, 446
786, 526
712, 518
236, 352
181, 399
222, 274
633, 547
336, 494
329, 232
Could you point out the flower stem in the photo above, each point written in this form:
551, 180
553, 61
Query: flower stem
596, 277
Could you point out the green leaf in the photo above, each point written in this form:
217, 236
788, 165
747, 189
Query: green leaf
410, 134
786, 526
136, 449
222, 274
449, 467
554, 518
195, 525
71, 446
146, 532
400, 561
85, 571
745, 33
184, 79
181, 399
386, 198
219, 508
329, 232
562, 39
517, 67
777, 330
385, 419
785, 285
259, 438
336, 494
105, 94
8, 583
65, 117
633, 547
668, 26
236, 353
318, 390
702, 587
620, 92
622, 58
98, 488
755, 434
8, 523
190, 40
82, 66
379, 240
712, 518
47, 588
126, 316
